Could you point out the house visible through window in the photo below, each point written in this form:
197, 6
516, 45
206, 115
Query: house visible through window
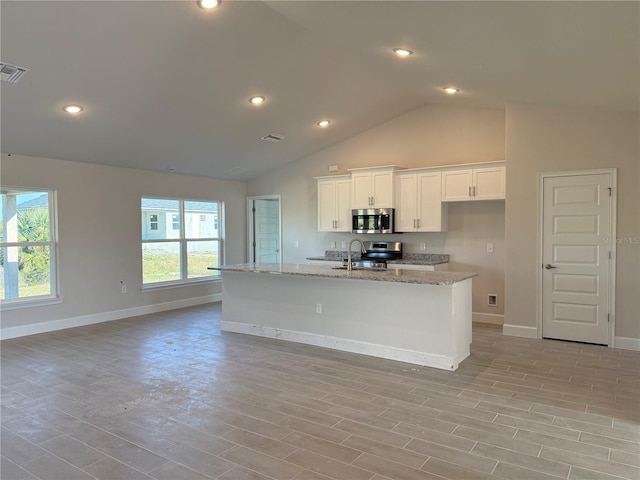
28, 269
182, 239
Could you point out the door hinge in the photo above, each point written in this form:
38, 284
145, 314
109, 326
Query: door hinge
253, 209
608, 317
609, 188
610, 255
254, 244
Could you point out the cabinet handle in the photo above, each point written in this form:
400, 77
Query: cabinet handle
474, 190
418, 222
414, 223
469, 190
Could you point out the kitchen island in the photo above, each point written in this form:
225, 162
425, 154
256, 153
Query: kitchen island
416, 317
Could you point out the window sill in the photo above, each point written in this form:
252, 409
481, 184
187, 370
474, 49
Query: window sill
165, 286
16, 305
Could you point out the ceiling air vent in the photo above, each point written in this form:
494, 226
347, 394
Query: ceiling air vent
12, 73
272, 137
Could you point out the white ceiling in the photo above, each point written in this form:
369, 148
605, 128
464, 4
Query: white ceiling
166, 84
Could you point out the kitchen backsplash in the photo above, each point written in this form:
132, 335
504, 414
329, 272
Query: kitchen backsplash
341, 254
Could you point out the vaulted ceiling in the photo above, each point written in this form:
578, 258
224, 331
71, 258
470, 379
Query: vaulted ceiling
165, 84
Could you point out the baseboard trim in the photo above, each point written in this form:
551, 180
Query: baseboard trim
492, 318
519, 331
627, 343
346, 345
42, 327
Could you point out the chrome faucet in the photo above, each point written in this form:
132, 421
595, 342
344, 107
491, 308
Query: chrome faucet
362, 249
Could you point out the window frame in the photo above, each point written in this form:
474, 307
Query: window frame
52, 243
183, 243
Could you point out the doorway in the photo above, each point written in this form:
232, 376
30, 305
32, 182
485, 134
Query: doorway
577, 252
264, 231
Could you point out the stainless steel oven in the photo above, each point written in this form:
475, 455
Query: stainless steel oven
373, 220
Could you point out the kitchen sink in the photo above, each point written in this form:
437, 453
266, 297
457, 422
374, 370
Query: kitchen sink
364, 265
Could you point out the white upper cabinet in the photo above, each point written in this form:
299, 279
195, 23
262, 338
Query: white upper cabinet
479, 183
372, 187
419, 206
334, 203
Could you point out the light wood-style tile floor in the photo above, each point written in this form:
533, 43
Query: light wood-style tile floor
169, 397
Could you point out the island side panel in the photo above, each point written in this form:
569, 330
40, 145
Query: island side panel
415, 323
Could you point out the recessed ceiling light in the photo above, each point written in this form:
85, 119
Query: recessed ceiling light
208, 4
451, 90
257, 100
324, 123
72, 108
402, 52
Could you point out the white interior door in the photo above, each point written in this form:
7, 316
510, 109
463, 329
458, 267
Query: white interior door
576, 268
264, 229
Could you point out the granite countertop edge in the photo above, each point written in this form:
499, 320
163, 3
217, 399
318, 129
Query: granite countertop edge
325, 271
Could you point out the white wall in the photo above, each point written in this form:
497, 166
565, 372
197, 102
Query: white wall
544, 139
430, 135
99, 237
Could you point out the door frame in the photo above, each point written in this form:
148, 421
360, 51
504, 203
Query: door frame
611, 236
250, 228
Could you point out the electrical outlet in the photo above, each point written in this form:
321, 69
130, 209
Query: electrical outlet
493, 300
124, 288
489, 247
318, 308
423, 246
297, 244
344, 244
333, 244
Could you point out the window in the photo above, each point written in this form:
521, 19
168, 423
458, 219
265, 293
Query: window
182, 253
28, 248
153, 222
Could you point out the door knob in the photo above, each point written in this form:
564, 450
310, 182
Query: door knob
548, 266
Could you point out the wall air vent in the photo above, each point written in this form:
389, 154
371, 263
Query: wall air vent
12, 73
273, 137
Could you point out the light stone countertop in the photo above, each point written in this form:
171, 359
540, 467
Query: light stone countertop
326, 271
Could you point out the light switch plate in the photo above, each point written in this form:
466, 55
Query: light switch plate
489, 247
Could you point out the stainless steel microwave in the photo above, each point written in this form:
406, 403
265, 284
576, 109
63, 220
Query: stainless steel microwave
373, 220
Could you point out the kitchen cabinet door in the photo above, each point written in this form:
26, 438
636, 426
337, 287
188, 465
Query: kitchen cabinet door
406, 203
482, 183
432, 214
382, 189
372, 188
334, 207
456, 185
419, 206
343, 205
362, 190
489, 183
